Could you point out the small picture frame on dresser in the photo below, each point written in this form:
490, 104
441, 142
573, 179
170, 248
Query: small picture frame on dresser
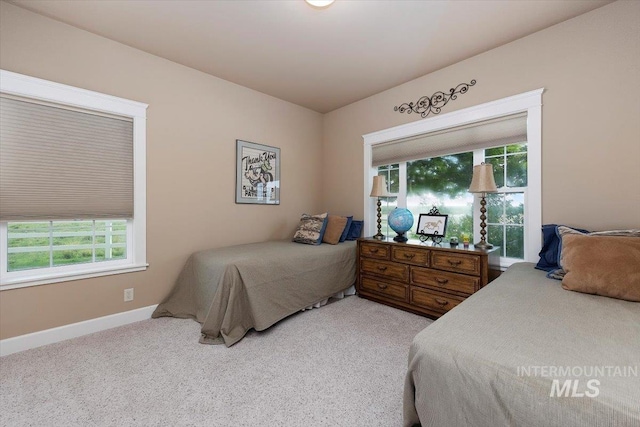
430, 225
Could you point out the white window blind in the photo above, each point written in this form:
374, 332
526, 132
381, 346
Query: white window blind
488, 133
59, 163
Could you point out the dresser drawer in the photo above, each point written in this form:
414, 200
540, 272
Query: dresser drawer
385, 269
461, 263
410, 256
445, 281
372, 250
390, 290
433, 300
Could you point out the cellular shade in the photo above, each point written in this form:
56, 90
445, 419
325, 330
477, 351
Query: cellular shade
58, 163
489, 133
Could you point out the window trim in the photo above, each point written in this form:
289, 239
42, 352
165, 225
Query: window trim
43, 90
529, 102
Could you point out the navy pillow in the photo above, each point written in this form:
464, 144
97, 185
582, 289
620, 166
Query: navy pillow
550, 252
324, 228
355, 230
347, 227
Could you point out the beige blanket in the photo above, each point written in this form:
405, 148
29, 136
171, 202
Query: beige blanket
231, 290
494, 359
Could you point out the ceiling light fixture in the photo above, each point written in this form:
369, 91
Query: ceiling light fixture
320, 3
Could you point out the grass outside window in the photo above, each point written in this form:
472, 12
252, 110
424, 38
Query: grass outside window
32, 245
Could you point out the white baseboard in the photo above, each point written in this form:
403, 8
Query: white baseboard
61, 333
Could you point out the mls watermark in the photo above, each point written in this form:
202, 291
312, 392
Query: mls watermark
577, 381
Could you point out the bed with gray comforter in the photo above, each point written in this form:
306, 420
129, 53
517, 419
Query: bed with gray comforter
233, 289
525, 352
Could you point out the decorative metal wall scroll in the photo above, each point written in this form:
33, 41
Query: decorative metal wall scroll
434, 104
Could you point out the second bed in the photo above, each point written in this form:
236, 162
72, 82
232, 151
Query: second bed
233, 289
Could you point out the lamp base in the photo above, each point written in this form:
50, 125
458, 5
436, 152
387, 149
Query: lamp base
483, 245
379, 236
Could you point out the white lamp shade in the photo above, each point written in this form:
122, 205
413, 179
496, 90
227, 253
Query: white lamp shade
482, 181
379, 188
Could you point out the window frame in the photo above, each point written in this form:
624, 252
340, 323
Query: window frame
43, 90
529, 102
504, 260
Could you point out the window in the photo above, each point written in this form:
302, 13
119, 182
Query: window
506, 208
434, 159
56, 243
443, 182
72, 183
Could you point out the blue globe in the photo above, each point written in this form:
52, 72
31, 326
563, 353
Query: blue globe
400, 220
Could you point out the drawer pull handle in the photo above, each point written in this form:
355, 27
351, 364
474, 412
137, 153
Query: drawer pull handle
382, 268
409, 256
454, 262
442, 281
381, 285
441, 302
374, 250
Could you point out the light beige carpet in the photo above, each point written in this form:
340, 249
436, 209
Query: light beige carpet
340, 365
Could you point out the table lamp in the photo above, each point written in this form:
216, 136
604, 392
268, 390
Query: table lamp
379, 190
483, 183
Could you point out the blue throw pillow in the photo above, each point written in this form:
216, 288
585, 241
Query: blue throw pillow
550, 252
347, 227
355, 230
324, 228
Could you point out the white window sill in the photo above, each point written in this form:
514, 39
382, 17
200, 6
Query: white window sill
505, 263
44, 279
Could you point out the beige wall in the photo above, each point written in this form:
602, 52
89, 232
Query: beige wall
589, 67
193, 122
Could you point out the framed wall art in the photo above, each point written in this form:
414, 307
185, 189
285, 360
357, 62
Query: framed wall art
432, 225
257, 173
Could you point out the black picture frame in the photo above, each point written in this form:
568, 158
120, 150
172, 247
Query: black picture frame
431, 225
257, 173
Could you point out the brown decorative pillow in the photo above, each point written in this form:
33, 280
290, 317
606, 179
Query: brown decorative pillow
601, 264
335, 227
563, 230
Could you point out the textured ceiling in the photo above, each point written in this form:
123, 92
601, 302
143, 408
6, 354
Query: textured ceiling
322, 59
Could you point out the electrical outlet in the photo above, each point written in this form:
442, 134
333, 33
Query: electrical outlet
128, 295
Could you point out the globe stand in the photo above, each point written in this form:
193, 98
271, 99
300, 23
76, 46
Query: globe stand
401, 238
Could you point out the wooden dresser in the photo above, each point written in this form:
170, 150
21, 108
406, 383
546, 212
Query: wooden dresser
418, 277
